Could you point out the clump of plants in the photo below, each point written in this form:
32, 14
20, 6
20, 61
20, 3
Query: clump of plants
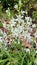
12, 45
18, 32
15, 54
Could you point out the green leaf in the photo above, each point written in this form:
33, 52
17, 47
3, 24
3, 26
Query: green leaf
8, 63
1, 25
2, 62
1, 34
29, 63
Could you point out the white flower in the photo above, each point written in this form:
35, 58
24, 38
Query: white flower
19, 18
34, 25
29, 23
20, 29
16, 6
6, 11
29, 28
5, 43
9, 4
27, 36
36, 51
13, 23
23, 12
4, 25
12, 20
15, 32
28, 19
4, 34
18, 41
27, 50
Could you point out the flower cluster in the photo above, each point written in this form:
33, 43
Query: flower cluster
20, 29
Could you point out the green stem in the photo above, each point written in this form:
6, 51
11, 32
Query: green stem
23, 59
